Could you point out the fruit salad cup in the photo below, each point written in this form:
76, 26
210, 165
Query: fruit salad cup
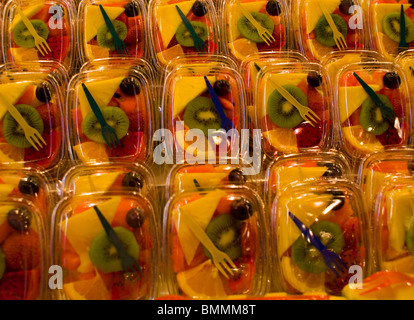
39, 101
170, 37
93, 267
335, 213
22, 250
125, 101
242, 37
363, 127
284, 130
385, 18
53, 20
231, 219
406, 61
189, 111
127, 18
316, 36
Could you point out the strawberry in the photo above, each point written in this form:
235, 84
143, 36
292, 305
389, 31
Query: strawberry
19, 285
390, 137
396, 100
131, 146
352, 233
280, 39
308, 136
59, 46
45, 157
315, 101
133, 35
47, 113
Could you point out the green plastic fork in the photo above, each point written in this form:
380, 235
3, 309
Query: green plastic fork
120, 46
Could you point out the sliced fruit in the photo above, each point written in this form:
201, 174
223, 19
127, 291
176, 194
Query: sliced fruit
286, 175
167, 55
185, 181
96, 52
91, 152
24, 54
104, 181
11, 154
282, 139
242, 47
5, 190
90, 289
381, 10
374, 181
11, 92
28, 12
405, 265
318, 50
201, 282
94, 19
200, 149
334, 67
387, 47
361, 140
314, 12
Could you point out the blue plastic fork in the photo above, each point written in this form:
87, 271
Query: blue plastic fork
120, 46
226, 123
331, 258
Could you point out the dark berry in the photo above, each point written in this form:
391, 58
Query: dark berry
338, 200
44, 93
29, 185
392, 80
133, 180
222, 87
333, 170
199, 9
273, 8
130, 86
131, 9
241, 209
314, 79
345, 6
19, 219
135, 217
412, 3
236, 176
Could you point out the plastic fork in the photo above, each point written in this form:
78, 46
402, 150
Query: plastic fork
331, 258
220, 259
402, 46
40, 42
108, 133
199, 44
387, 113
305, 112
337, 36
120, 46
226, 123
30, 133
263, 33
383, 279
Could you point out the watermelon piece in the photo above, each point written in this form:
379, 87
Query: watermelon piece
19, 285
59, 46
46, 156
131, 146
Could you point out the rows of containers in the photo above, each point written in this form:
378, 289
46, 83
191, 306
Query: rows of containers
346, 172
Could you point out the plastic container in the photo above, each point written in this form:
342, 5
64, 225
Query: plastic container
387, 13
312, 40
239, 38
129, 20
79, 235
189, 270
360, 135
53, 20
23, 250
169, 37
406, 61
334, 211
284, 132
129, 94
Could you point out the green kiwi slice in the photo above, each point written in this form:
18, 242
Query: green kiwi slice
324, 33
391, 27
114, 116
409, 237
13, 132
249, 31
224, 232
281, 112
200, 113
307, 257
104, 36
23, 38
2, 264
184, 36
371, 118
104, 255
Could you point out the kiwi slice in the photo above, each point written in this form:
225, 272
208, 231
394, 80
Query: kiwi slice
281, 112
104, 36
391, 27
371, 118
13, 132
23, 38
249, 31
104, 255
114, 116
224, 232
2, 264
324, 33
307, 257
184, 36
409, 237
200, 113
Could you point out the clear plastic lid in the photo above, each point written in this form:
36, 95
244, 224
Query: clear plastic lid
315, 35
335, 213
38, 100
406, 61
364, 128
128, 18
242, 38
284, 129
90, 274
170, 37
125, 100
53, 20
231, 219
385, 17
23, 250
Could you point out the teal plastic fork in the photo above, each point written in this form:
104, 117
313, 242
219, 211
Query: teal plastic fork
120, 46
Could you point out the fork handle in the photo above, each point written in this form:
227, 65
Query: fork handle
27, 23
14, 113
94, 106
216, 101
403, 43
187, 23
108, 23
310, 237
247, 14
328, 17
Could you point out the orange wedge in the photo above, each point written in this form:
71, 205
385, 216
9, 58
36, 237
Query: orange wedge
9, 153
282, 139
318, 50
387, 47
242, 47
91, 152
91, 289
361, 140
167, 55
